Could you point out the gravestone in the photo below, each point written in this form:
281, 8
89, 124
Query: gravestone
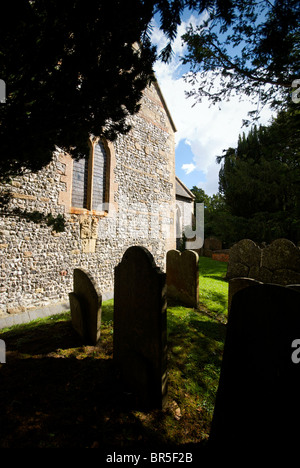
140, 329
236, 284
281, 254
257, 404
243, 256
85, 304
183, 277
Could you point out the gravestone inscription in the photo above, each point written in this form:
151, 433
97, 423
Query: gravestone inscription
257, 404
85, 304
140, 331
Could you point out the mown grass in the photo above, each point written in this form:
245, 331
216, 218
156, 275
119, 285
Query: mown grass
57, 392
213, 288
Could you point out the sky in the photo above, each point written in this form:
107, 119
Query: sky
203, 130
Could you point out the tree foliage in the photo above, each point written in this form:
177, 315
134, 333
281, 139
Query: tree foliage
216, 214
71, 70
255, 54
260, 180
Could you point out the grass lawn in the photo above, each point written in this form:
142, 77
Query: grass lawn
57, 393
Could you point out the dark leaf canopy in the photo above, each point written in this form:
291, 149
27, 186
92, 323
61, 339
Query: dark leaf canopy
255, 54
70, 70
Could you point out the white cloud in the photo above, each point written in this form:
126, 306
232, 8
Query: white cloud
188, 168
207, 129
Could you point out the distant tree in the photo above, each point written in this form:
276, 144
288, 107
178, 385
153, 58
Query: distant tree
215, 214
200, 196
256, 53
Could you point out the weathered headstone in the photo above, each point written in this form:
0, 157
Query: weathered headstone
281, 254
212, 243
183, 277
294, 286
243, 255
277, 263
85, 304
257, 404
140, 329
236, 284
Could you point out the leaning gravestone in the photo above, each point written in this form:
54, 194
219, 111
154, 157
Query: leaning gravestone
183, 277
140, 330
257, 405
85, 304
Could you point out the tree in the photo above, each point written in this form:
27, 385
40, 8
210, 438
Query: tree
215, 214
260, 179
254, 54
71, 70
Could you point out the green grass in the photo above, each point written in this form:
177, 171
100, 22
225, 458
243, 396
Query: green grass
213, 288
195, 341
60, 393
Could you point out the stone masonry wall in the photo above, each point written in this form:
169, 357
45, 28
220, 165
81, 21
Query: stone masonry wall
36, 263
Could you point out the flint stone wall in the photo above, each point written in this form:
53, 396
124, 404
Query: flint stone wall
278, 263
36, 263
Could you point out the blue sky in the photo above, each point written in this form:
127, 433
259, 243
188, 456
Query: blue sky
203, 130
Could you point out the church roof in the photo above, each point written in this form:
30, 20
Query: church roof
182, 191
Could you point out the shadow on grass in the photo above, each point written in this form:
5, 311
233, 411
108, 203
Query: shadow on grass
195, 353
57, 393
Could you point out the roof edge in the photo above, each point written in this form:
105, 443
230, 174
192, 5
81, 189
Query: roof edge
155, 82
185, 188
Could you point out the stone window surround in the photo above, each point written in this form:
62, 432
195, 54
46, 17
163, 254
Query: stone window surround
65, 198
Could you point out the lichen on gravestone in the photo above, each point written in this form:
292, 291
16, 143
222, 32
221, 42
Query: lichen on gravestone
281, 254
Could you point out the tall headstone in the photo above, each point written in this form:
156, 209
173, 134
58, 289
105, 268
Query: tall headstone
236, 284
140, 327
85, 304
183, 277
257, 404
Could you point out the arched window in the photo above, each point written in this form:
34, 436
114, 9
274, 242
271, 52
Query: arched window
80, 183
90, 178
100, 164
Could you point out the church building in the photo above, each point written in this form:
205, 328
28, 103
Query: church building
123, 194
